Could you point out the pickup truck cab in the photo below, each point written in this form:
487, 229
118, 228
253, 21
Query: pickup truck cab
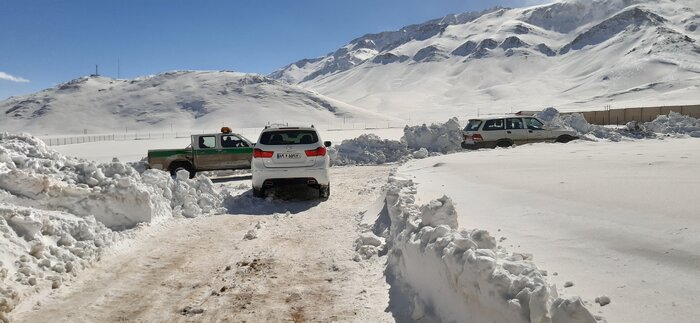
216, 151
506, 131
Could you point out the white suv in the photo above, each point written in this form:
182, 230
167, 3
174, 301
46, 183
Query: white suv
290, 155
506, 131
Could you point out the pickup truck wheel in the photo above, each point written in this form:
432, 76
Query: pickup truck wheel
324, 192
564, 139
176, 167
504, 143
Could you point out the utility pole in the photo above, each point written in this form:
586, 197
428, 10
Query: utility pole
96, 71
118, 69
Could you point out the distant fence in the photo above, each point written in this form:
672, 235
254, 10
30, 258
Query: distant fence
81, 139
76, 140
622, 116
60, 140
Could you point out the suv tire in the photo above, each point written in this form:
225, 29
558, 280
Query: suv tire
324, 192
259, 192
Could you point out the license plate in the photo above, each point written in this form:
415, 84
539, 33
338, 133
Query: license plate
288, 155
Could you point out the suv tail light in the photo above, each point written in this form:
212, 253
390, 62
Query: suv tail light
259, 153
320, 151
477, 137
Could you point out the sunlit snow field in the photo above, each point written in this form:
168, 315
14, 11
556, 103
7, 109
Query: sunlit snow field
616, 219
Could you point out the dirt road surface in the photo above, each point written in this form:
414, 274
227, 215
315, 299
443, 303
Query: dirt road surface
258, 264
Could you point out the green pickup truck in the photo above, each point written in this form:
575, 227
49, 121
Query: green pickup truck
218, 151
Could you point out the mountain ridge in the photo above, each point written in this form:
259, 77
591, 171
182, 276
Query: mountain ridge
180, 99
522, 58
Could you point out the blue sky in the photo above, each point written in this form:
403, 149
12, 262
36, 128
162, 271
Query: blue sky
47, 42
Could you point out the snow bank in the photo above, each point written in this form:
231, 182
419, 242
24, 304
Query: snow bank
59, 213
114, 193
458, 275
443, 138
675, 123
368, 149
417, 142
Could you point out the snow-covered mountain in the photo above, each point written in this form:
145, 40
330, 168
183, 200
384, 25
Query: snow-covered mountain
183, 99
574, 54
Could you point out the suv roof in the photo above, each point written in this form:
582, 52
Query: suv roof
491, 117
284, 127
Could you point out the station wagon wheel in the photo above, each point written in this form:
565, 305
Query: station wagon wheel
564, 138
504, 143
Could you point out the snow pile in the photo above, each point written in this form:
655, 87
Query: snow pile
675, 123
453, 274
368, 245
672, 124
443, 138
114, 193
578, 123
421, 153
58, 213
368, 149
41, 249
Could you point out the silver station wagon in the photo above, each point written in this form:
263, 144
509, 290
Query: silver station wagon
506, 131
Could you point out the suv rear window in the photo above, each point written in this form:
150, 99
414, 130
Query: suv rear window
495, 124
289, 137
473, 125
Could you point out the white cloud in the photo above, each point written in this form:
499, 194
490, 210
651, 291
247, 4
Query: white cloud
12, 78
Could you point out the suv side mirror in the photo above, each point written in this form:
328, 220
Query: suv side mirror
327, 143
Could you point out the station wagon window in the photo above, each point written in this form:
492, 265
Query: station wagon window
207, 142
473, 125
534, 124
514, 123
232, 141
289, 137
495, 124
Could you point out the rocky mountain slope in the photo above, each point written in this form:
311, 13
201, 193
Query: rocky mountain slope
574, 54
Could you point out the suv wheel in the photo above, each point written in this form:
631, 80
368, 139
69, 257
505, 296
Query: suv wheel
324, 191
259, 192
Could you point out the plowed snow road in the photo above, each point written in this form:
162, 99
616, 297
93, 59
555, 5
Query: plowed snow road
298, 268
